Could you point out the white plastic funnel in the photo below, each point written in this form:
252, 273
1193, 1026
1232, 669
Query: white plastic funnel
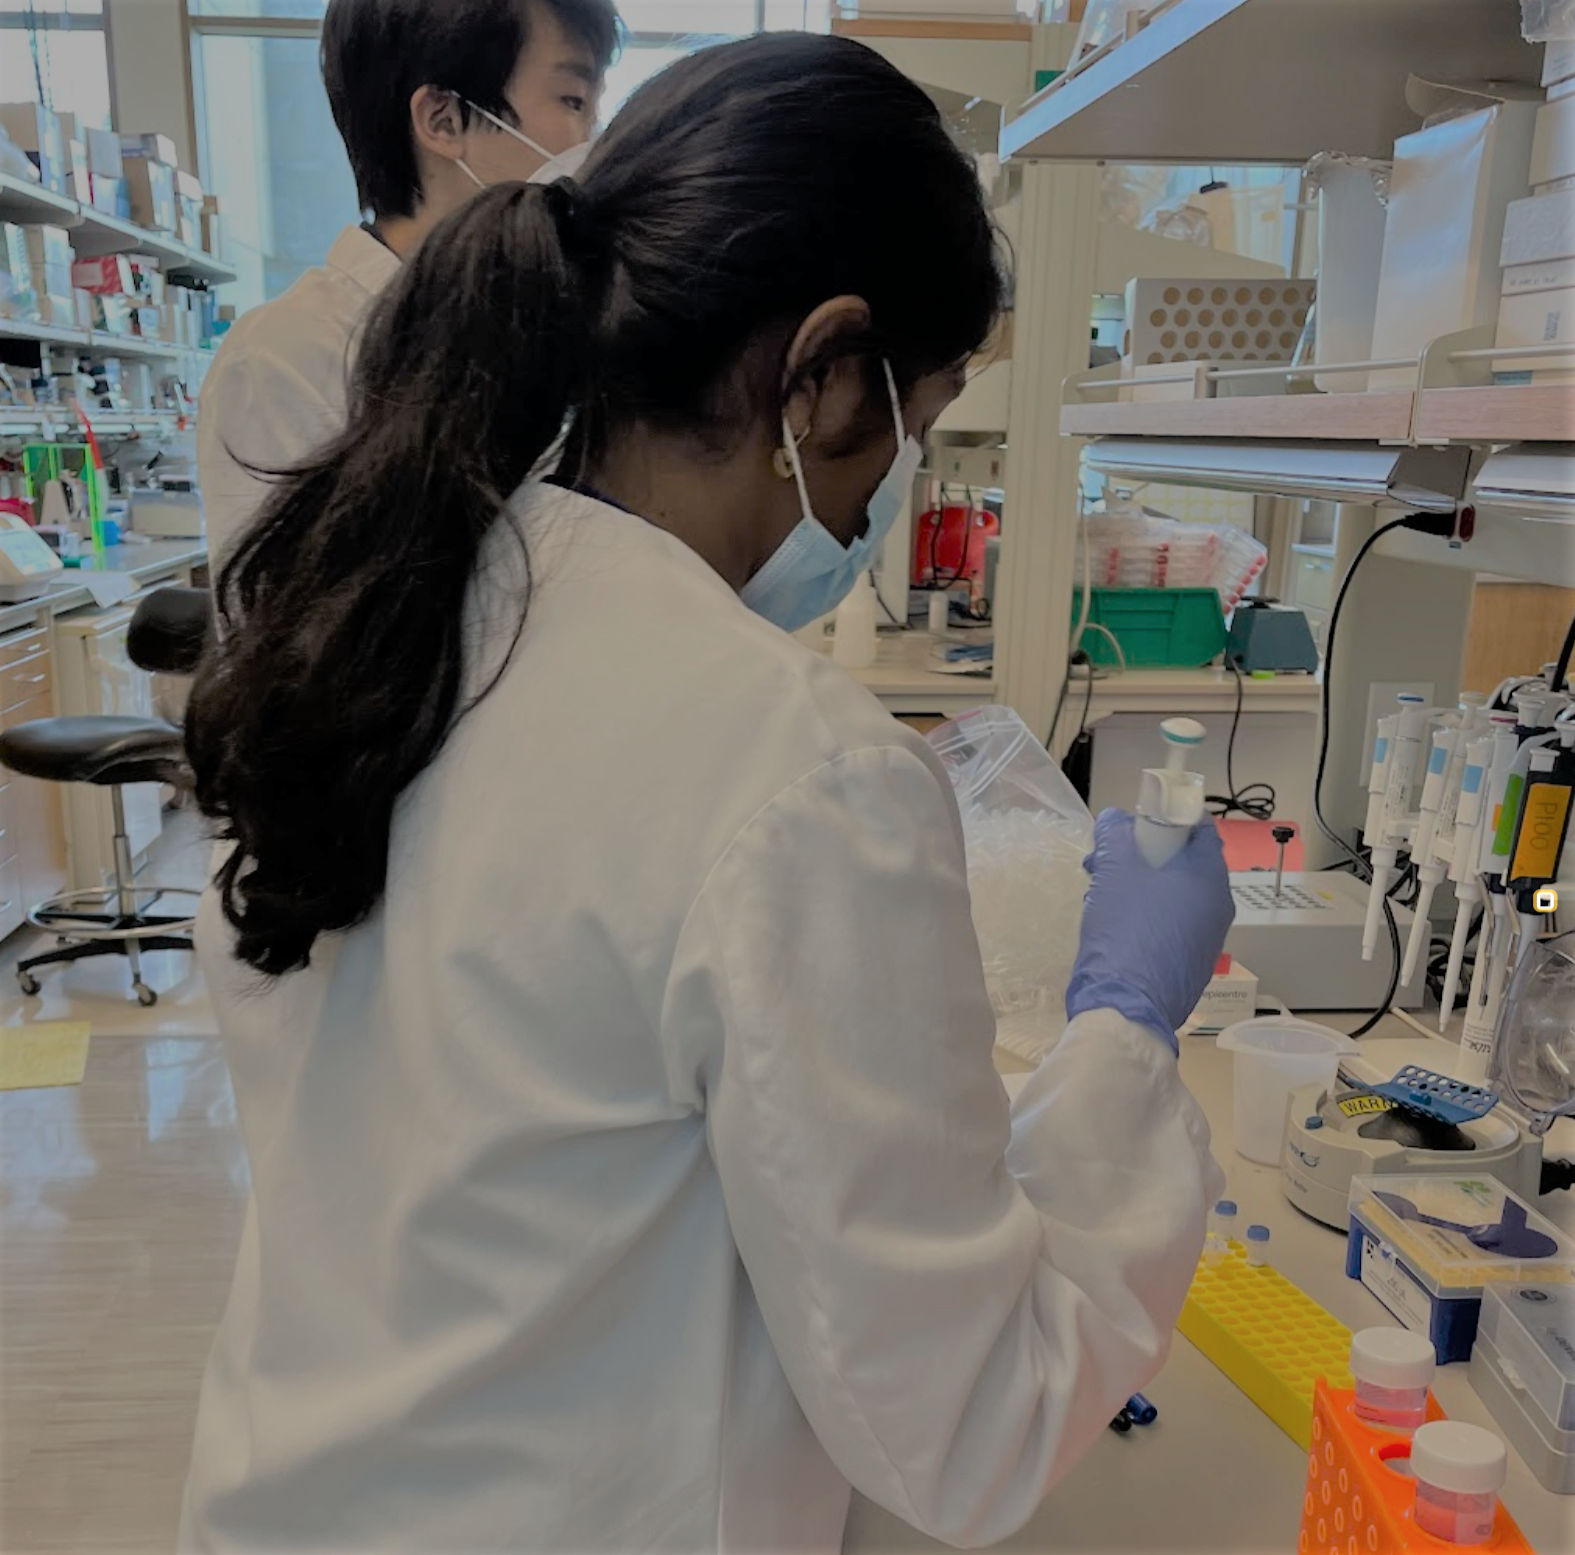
1275, 1054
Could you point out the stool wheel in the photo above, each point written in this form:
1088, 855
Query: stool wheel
30, 984
146, 997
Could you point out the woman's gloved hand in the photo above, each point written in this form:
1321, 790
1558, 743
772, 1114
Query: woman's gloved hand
1150, 937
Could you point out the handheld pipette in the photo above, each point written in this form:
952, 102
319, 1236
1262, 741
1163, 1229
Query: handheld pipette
1170, 799
1397, 754
1442, 767
1464, 849
1476, 1038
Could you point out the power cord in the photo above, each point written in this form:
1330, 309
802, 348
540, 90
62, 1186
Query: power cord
1249, 801
1362, 868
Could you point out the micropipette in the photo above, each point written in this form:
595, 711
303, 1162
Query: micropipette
1442, 781
1476, 1037
1464, 848
1170, 799
1397, 753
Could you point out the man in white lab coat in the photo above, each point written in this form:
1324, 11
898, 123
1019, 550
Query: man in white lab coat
434, 99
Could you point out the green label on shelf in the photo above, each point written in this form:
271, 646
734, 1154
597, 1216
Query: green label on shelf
1043, 78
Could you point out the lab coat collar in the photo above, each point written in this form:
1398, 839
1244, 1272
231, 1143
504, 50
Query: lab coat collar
359, 256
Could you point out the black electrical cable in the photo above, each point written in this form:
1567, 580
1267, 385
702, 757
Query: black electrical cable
1561, 666
1260, 808
1364, 869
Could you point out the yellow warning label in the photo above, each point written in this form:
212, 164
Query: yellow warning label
1541, 833
1363, 1106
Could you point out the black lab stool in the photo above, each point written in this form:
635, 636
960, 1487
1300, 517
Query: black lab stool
122, 920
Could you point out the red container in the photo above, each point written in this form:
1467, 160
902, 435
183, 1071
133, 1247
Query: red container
948, 545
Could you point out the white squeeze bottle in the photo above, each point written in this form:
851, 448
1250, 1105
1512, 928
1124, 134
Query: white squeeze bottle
1170, 799
853, 640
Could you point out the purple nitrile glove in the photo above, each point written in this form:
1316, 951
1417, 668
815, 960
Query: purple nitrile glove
1151, 937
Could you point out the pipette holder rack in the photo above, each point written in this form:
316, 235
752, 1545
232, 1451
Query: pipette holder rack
1355, 1504
1439, 1096
1270, 1338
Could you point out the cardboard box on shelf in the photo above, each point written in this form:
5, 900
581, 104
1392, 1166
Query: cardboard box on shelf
86, 309
1539, 228
188, 199
112, 196
150, 323
1536, 319
58, 309
1553, 145
213, 234
79, 185
37, 131
103, 153
112, 273
1448, 200
49, 248
1558, 61
1190, 381
158, 148
152, 188
1545, 275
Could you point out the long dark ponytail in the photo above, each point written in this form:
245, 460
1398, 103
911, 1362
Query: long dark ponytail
735, 192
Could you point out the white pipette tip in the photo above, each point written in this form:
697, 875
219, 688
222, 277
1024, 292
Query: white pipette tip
1375, 907
1421, 930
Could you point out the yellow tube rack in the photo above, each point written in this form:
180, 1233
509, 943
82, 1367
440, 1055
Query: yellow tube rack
1272, 1340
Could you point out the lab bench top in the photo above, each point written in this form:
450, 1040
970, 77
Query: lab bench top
159, 561
1205, 690
1214, 1475
903, 678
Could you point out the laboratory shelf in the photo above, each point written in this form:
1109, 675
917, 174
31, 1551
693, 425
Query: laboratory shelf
28, 204
52, 420
42, 334
1377, 417
1531, 413
111, 345
99, 234
1430, 479
1267, 81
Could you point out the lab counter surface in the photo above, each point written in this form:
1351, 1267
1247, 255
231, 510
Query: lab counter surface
159, 561
1213, 1473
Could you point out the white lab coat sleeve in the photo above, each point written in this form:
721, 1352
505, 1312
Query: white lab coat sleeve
257, 413
961, 1296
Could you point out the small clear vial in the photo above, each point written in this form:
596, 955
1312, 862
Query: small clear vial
1222, 1227
1393, 1369
1257, 1247
1459, 1472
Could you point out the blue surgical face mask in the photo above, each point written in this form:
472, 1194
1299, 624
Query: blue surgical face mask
564, 165
812, 572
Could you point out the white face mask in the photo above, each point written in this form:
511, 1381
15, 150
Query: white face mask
564, 165
812, 572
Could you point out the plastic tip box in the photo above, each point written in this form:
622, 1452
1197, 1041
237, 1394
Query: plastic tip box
1428, 1246
1523, 1369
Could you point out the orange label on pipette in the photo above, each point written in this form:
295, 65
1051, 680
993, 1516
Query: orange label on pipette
1545, 814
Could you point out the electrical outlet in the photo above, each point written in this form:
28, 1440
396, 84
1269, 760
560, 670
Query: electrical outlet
1381, 696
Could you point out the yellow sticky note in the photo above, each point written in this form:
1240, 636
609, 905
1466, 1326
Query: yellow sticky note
49, 1053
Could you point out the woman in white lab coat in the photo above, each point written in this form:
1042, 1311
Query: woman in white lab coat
594, 961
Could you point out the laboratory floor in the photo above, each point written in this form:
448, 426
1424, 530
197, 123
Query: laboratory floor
120, 1210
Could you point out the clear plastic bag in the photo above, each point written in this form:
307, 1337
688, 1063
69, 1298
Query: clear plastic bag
1547, 21
1027, 833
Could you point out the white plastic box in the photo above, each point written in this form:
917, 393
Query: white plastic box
1553, 144
1453, 185
1256, 319
1538, 252
1407, 1246
1523, 1370
1536, 319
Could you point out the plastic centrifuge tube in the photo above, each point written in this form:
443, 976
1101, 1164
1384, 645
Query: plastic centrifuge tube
1459, 1472
1222, 1227
1257, 1247
1393, 1369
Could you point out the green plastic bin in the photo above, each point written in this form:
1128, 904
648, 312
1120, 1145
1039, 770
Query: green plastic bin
1172, 628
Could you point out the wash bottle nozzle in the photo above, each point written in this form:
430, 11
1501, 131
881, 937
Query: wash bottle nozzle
1170, 798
